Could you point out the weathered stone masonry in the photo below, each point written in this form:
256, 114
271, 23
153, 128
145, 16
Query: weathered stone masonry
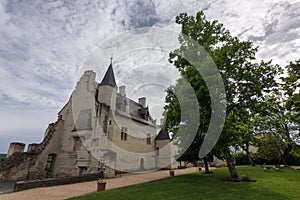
88, 127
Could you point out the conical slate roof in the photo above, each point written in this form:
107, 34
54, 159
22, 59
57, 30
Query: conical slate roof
163, 135
109, 77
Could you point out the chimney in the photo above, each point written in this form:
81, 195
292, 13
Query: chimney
162, 121
142, 101
122, 90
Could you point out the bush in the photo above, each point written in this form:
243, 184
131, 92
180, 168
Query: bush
245, 178
241, 159
293, 159
260, 161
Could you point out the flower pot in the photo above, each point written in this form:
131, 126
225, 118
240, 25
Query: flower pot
101, 187
171, 173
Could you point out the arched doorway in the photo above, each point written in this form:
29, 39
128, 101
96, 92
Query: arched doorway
142, 164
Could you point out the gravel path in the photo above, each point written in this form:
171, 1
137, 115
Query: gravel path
77, 189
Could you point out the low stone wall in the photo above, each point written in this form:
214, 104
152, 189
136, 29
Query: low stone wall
24, 185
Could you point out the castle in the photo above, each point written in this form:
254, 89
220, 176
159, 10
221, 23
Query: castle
99, 129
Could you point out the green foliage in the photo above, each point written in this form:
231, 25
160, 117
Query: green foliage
294, 157
245, 81
245, 178
241, 158
291, 87
277, 125
2, 157
271, 185
270, 148
179, 96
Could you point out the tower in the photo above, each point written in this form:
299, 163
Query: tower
108, 88
163, 149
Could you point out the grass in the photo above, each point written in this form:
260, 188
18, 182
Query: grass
273, 185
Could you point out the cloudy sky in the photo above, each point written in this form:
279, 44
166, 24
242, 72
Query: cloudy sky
45, 43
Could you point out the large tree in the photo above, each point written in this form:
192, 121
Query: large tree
245, 80
291, 88
174, 119
279, 119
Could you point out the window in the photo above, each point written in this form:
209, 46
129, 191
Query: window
82, 170
50, 161
157, 151
124, 133
148, 138
94, 142
77, 144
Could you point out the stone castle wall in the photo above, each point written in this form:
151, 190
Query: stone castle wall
86, 133
15, 147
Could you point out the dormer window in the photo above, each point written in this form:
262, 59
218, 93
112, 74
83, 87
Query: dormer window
144, 113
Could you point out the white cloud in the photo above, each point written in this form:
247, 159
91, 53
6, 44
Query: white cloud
44, 43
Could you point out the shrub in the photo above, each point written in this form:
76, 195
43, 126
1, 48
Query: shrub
245, 178
260, 161
241, 159
293, 159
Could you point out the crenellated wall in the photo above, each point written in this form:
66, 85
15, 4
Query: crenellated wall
19, 165
15, 147
86, 136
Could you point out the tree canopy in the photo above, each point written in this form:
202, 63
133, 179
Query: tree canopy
246, 81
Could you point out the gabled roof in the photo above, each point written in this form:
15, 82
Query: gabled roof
109, 77
163, 135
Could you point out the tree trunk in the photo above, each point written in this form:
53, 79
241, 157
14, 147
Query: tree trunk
250, 160
206, 165
251, 163
230, 164
286, 154
289, 147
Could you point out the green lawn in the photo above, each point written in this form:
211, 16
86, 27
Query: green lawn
284, 184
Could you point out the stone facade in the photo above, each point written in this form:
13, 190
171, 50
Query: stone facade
15, 147
99, 129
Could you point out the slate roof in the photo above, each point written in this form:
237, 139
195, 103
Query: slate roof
163, 135
109, 77
136, 110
